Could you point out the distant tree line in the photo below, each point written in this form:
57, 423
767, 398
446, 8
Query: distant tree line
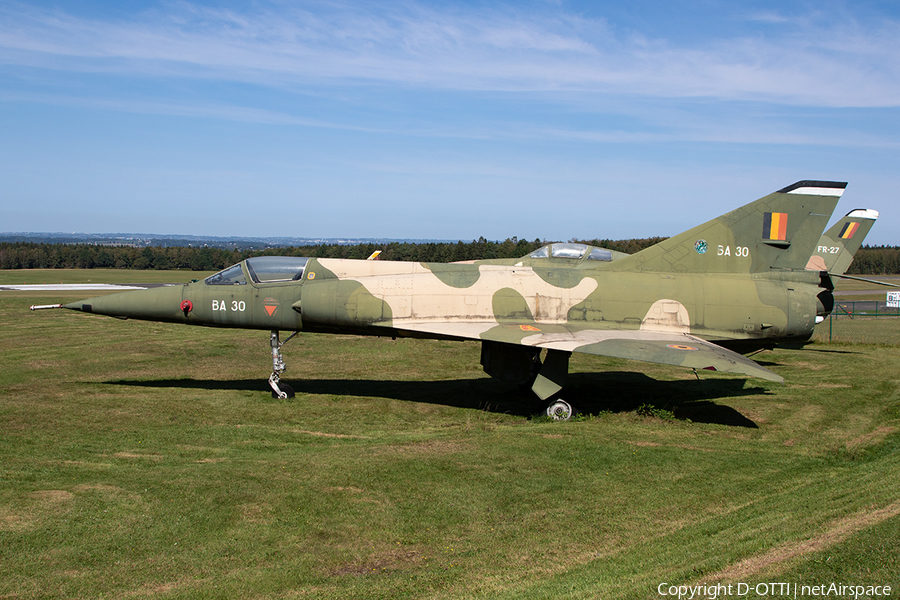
25, 255
876, 260
870, 260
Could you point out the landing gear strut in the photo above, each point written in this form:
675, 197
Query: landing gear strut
550, 380
279, 390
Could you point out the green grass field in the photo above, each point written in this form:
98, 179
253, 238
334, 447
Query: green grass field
143, 460
40, 276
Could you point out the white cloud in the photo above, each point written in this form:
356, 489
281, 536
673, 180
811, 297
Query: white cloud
811, 62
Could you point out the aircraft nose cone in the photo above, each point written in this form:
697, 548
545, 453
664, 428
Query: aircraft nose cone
157, 304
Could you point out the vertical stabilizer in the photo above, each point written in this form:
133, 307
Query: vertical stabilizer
778, 231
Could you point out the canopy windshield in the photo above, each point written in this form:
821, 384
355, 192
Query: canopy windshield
571, 250
267, 269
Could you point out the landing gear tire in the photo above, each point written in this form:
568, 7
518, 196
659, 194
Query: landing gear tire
287, 390
560, 410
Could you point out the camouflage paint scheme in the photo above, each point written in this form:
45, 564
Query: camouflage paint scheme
834, 252
737, 282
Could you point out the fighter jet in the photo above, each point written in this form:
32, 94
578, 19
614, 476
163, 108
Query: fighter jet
737, 283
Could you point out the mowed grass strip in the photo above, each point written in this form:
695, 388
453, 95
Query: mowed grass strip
147, 460
119, 276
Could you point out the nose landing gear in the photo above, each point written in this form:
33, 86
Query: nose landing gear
279, 390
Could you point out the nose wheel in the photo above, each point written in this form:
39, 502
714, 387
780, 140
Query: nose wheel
279, 390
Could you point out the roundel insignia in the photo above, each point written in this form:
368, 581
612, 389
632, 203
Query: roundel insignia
680, 347
311, 275
701, 246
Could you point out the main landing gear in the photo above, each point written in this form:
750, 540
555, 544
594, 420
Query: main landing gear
549, 382
522, 365
560, 410
279, 390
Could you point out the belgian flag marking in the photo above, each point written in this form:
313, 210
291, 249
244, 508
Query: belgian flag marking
775, 226
848, 230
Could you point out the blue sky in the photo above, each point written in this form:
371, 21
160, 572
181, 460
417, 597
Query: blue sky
551, 120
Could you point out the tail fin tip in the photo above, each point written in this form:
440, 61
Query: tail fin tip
815, 188
863, 213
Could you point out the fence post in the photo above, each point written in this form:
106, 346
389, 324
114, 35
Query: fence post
830, 326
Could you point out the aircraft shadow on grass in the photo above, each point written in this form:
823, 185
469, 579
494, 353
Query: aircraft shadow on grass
772, 363
830, 350
592, 393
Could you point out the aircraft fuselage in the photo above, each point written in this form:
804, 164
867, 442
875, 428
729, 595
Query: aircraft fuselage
403, 298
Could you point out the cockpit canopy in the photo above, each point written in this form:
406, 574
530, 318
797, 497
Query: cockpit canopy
267, 269
573, 251
262, 269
